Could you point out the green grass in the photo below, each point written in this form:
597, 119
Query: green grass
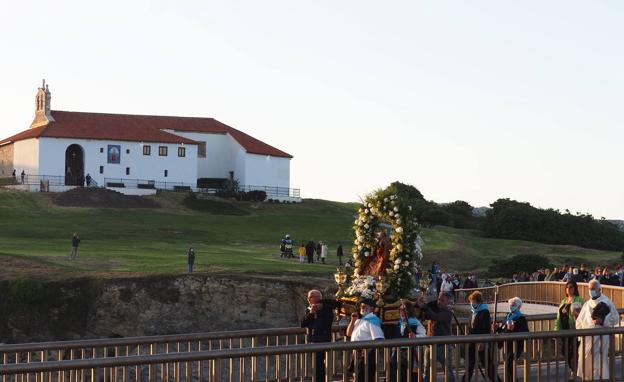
35, 238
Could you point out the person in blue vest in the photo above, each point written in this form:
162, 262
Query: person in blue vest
515, 322
408, 327
365, 326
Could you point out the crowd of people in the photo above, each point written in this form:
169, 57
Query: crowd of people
579, 274
306, 251
588, 361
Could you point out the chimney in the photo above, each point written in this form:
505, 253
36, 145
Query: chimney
43, 114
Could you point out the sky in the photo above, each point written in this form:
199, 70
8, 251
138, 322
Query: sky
469, 101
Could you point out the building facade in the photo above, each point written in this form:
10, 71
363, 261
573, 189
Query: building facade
117, 148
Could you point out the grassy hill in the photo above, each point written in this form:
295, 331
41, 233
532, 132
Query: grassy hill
229, 237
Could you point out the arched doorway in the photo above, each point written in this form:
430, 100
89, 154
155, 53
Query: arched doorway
74, 166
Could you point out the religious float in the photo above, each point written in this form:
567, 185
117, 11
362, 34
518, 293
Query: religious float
386, 252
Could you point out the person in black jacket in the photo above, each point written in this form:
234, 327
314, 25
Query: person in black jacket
514, 323
310, 247
480, 323
339, 253
318, 322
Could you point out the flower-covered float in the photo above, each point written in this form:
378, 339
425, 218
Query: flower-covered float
386, 252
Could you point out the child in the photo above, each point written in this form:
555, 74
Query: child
302, 253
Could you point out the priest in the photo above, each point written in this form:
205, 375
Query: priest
598, 312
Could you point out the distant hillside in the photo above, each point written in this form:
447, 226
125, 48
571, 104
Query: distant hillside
228, 236
619, 224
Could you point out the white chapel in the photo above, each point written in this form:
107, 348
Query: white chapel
143, 148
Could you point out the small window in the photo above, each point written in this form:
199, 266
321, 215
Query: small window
147, 150
162, 151
201, 150
181, 151
127, 151
101, 149
127, 170
166, 173
101, 169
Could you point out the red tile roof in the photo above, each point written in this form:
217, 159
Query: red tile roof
146, 128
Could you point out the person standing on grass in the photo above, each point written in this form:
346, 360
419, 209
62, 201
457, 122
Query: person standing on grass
310, 251
191, 259
339, 253
302, 253
324, 251
318, 250
74, 248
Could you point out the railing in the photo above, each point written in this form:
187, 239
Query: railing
528, 356
272, 192
52, 180
543, 292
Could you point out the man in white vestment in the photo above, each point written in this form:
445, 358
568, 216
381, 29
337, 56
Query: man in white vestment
594, 351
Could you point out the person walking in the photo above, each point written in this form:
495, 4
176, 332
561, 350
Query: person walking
516, 322
23, 175
318, 321
339, 253
302, 253
409, 327
569, 309
365, 326
88, 179
480, 323
74, 247
191, 259
14, 176
440, 317
324, 252
310, 251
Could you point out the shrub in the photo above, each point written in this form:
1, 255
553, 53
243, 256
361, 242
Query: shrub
519, 263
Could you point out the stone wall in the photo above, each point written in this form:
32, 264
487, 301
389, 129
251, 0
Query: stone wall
89, 308
6, 160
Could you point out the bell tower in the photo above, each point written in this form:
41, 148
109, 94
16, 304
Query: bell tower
43, 115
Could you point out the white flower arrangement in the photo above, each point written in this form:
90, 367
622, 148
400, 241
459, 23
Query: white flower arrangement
377, 210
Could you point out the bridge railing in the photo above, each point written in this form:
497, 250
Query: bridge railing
548, 356
543, 292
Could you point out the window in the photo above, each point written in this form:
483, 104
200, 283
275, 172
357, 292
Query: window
162, 151
166, 173
181, 151
147, 150
101, 149
127, 170
127, 151
101, 169
201, 150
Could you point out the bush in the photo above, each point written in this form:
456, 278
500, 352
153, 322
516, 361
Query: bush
435, 216
253, 196
519, 263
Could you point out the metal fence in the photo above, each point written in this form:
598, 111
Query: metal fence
51, 180
188, 344
548, 356
272, 192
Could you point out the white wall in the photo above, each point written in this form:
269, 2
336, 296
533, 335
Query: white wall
265, 170
26, 157
180, 169
223, 154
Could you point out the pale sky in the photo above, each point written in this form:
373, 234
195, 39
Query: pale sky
465, 100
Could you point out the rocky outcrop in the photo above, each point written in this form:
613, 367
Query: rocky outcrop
89, 308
